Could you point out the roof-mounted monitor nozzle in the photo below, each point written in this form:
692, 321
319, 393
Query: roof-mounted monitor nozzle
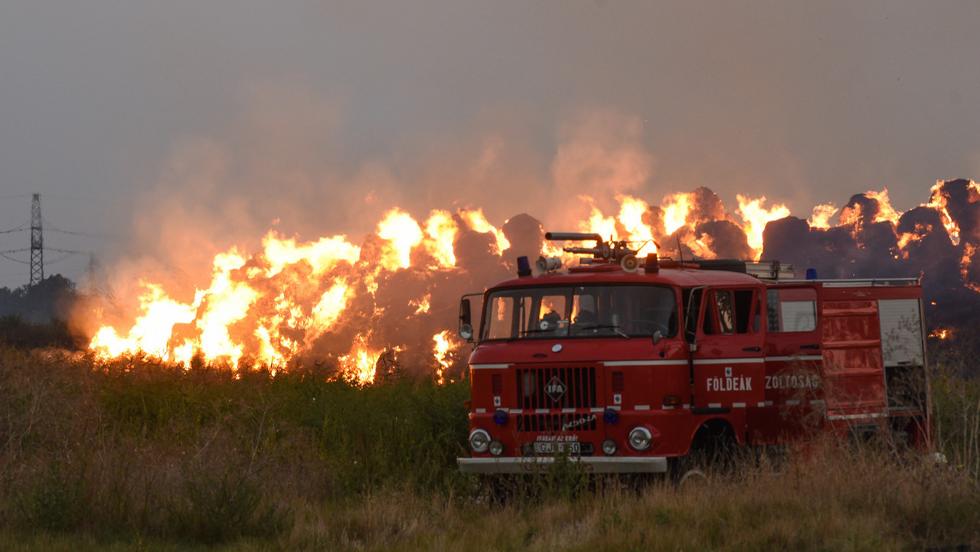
604, 251
573, 236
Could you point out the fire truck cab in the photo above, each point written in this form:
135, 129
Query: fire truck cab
629, 366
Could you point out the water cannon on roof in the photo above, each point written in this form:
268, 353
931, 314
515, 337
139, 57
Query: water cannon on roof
619, 252
604, 252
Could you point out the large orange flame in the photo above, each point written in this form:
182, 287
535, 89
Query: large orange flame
270, 306
822, 213
441, 232
631, 213
479, 223
360, 364
756, 216
443, 346
151, 330
677, 209
402, 233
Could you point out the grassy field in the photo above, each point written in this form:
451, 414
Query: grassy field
137, 455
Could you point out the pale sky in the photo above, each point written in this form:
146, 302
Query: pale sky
804, 102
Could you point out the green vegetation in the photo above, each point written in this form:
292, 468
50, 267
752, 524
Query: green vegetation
34, 316
16, 332
134, 453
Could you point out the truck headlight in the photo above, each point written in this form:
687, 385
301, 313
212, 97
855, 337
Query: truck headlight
609, 447
640, 438
496, 448
479, 440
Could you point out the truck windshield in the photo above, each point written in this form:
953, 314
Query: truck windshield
580, 311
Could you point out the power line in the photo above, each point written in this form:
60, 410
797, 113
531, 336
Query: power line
20, 228
74, 198
12, 259
59, 197
48, 227
61, 258
70, 233
71, 251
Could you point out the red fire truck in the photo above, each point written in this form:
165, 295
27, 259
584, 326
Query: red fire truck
631, 367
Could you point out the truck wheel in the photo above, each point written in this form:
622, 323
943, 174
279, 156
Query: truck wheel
712, 452
690, 470
692, 477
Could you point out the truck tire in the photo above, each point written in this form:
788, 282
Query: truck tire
712, 452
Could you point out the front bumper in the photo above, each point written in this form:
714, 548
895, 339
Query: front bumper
594, 464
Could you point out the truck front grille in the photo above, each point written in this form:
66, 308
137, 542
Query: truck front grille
556, 387
585, 421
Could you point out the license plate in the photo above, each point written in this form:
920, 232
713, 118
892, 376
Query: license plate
563, 447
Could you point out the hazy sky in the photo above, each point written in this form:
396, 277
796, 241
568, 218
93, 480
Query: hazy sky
802, 101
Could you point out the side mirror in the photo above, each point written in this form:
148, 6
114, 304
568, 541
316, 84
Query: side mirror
657, 336
465, 320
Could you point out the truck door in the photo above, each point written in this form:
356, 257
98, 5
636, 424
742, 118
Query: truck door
728, 360
793, 351
793, 382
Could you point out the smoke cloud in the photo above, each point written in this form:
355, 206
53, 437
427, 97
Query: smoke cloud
279, 174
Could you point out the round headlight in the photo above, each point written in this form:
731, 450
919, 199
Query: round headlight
640, 438
609, 447
479, 440
496, 448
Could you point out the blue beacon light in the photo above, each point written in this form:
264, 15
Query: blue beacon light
523, 267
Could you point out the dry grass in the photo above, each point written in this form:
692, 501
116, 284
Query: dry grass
137, 455
838, 499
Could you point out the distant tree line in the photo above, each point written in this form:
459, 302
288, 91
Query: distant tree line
35, 316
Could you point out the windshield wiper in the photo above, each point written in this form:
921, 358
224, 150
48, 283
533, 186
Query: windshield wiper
549, 330
607, 327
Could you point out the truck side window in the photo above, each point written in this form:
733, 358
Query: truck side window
726, 311
743, 309
792, 310
772, 310
732, 314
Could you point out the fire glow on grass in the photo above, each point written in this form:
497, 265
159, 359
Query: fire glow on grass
285, 300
